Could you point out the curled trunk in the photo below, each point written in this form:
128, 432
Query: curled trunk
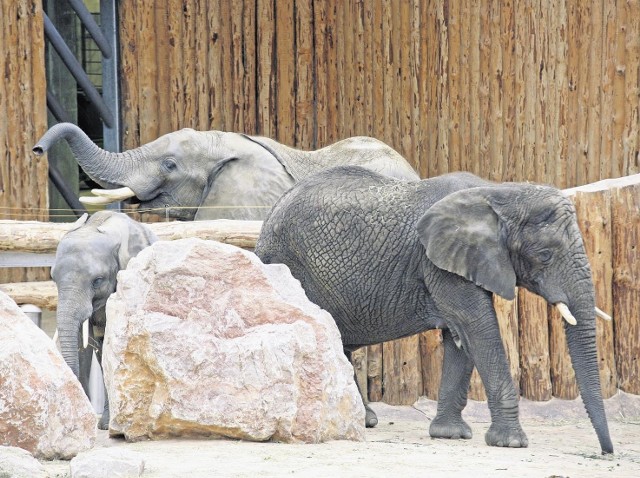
106, 168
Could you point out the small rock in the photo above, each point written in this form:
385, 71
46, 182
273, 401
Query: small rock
203, 339
43, 408
107, 463
18, 463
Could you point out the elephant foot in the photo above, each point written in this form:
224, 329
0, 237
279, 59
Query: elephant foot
453, 429
370, 419
103, 423
507, 436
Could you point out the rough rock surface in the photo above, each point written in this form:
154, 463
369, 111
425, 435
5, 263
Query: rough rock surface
203, 339
43, 408
18, 463
107, 463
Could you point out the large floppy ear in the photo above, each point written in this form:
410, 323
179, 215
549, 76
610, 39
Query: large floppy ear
461, 234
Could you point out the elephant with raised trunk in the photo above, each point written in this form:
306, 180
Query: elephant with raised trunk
390, 259
190, 174
87, 262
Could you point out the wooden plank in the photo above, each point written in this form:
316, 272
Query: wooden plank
561, 114
326, 73
625, 204
431, 356
594, 218
631, 138
442, 94
402, 381
359, 363
216, 66
424, 79
225, 64
387, 68
5, 198
466, 160
606, 91
594, 115
619, 90
174, 66
285, 63
474, 86
484, 119
507, 40
266, 73
305, 118
236, 65
496, 94
148, 69
535, 382
374, 372
129, 79
515, 169
453, 86
404, 100
202, 40
164, 109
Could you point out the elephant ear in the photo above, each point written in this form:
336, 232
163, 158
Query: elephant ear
276, 150
133, 236
461, 234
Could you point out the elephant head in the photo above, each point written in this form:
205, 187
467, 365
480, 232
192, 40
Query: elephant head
191, 174
526, 235
87, 262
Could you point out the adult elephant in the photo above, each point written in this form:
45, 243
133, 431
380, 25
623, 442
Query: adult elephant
191, 174
87, 262
389, 259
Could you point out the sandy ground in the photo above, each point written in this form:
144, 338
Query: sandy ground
562, 443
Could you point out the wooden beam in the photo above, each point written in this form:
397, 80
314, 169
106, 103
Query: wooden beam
43, 237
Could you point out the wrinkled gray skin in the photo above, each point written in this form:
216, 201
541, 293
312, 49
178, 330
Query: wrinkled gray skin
190, 174
389, 259
87, 262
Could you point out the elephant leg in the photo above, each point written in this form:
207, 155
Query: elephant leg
103, 423
475, 323
370, 419
452, 396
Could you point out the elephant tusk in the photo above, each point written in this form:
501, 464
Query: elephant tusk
107, 196
602, 314
85, 334
566, 313
55, 336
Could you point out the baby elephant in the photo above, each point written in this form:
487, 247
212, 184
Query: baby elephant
390, 259
87, 262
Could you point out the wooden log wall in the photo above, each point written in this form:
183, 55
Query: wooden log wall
23, 119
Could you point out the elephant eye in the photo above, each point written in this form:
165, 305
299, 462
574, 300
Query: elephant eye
545, 256
97, 282
169, 165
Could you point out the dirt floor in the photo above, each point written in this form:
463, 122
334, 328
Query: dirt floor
562, 443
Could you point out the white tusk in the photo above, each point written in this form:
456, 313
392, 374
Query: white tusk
107, 196
602, 314
55, 336
85, 334
566, 313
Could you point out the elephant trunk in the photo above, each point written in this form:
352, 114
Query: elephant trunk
581, 339
69, 318
106, 168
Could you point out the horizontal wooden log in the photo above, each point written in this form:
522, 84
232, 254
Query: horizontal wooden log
44, 294
43, 237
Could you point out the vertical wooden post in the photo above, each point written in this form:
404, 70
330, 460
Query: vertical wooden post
535, 382
374, 372
625, 204
431, 355
402, 381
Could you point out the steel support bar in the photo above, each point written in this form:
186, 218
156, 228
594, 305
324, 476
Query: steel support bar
57, 110
59, 182
92, 27
76, 70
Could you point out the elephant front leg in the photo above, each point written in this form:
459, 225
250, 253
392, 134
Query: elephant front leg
452, 396
471, 314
